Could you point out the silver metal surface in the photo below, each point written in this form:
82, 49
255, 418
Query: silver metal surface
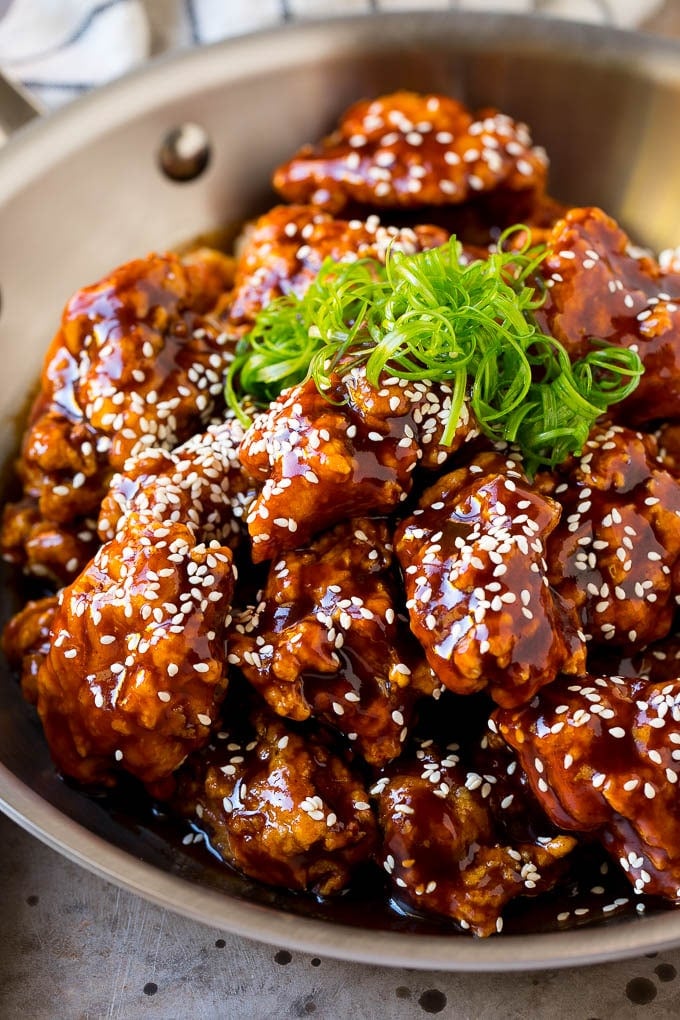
82, 191
16, 108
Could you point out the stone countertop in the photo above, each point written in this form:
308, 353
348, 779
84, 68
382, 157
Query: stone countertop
76, 948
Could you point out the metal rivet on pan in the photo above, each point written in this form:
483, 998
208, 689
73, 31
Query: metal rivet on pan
185, 152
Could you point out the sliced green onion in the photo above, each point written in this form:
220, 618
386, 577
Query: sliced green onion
433, 316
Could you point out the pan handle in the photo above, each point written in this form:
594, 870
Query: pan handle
16, 108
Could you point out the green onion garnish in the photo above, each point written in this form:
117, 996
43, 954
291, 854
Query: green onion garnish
430, 316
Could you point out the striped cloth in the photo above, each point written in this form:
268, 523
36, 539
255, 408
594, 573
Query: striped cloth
60, 48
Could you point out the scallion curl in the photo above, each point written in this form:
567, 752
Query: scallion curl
440, 317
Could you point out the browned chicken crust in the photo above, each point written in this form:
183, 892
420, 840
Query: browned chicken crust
473, 556
135, 671
45, 548
200, 484
600, 287
601, 754
26, 641
616, 552
327, 639
285, 248
668, 438
410, 150
326, 457
137, 362
444, 850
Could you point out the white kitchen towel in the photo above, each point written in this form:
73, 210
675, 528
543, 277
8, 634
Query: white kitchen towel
60, 48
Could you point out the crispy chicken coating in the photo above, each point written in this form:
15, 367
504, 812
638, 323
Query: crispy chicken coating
616, 552
407, 150
137, 362
200, 483
600, 287
26, 641
601, 754
282, 808
327, 640
324, 458
447, 853
45, 548
135, 672
285, 248
473, 557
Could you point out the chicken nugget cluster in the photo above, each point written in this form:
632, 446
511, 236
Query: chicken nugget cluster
349, 638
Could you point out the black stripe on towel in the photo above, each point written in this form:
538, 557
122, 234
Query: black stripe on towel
77, 34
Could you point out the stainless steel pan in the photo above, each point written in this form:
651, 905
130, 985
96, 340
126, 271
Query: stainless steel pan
82, 191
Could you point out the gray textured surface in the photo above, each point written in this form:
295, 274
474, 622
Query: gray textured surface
75, 947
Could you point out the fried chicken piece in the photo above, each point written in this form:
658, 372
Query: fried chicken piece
445, 850
601, 754
599, 287
324, 458
616, 551
282, 808
668, 438
326, 640
135, 672
285, 248
26, 641
46, 549
407, 149
200, 483
135, 363
473, 557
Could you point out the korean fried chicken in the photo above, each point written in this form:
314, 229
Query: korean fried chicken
283, 251
137, 362
446, 852
436, 673
615, 554
414, 150
200, 483
473, 556
26, 641
601, 754
327, 640
325, 457
135, 670
599, 287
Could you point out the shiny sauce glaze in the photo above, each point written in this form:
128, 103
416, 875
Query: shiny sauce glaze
409, 734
